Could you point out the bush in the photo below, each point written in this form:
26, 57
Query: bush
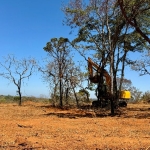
16, 98
6, 99
146, 97
2, 99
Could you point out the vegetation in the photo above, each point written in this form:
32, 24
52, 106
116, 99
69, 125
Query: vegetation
61, 71
102, 29
108, 30
136, 14
146, 97
15, 99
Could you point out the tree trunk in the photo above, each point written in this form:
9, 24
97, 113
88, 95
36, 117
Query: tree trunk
116, 93
77, 101
19, 91
60, 90
112, 106
20, 97
122, 71
87, 96
54, 97
67, 91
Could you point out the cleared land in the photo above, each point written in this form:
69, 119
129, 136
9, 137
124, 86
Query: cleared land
37, 126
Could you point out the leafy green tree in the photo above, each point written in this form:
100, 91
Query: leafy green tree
102, 30
137, 15
84, 94
58, 50
61, 71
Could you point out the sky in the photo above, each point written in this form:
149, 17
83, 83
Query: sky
25, 28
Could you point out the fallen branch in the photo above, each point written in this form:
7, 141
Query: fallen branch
23, 126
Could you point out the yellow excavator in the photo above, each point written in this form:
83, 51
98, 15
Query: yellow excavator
104, 92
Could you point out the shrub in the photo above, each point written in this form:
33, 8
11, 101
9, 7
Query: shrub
146, 97
16, 98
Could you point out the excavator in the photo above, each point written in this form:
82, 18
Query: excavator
103, 91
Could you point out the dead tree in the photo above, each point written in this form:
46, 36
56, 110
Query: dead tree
16, 71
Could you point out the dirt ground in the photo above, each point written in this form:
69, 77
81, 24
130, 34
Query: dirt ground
36, 126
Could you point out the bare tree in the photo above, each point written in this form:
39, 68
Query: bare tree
49, 74
74, 79
16, 71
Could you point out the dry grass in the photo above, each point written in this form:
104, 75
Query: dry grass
35, 126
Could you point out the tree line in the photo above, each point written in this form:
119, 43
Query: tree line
109, 31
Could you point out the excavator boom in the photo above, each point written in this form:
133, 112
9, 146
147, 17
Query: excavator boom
95, 78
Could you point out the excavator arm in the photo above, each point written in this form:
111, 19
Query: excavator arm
95, 78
